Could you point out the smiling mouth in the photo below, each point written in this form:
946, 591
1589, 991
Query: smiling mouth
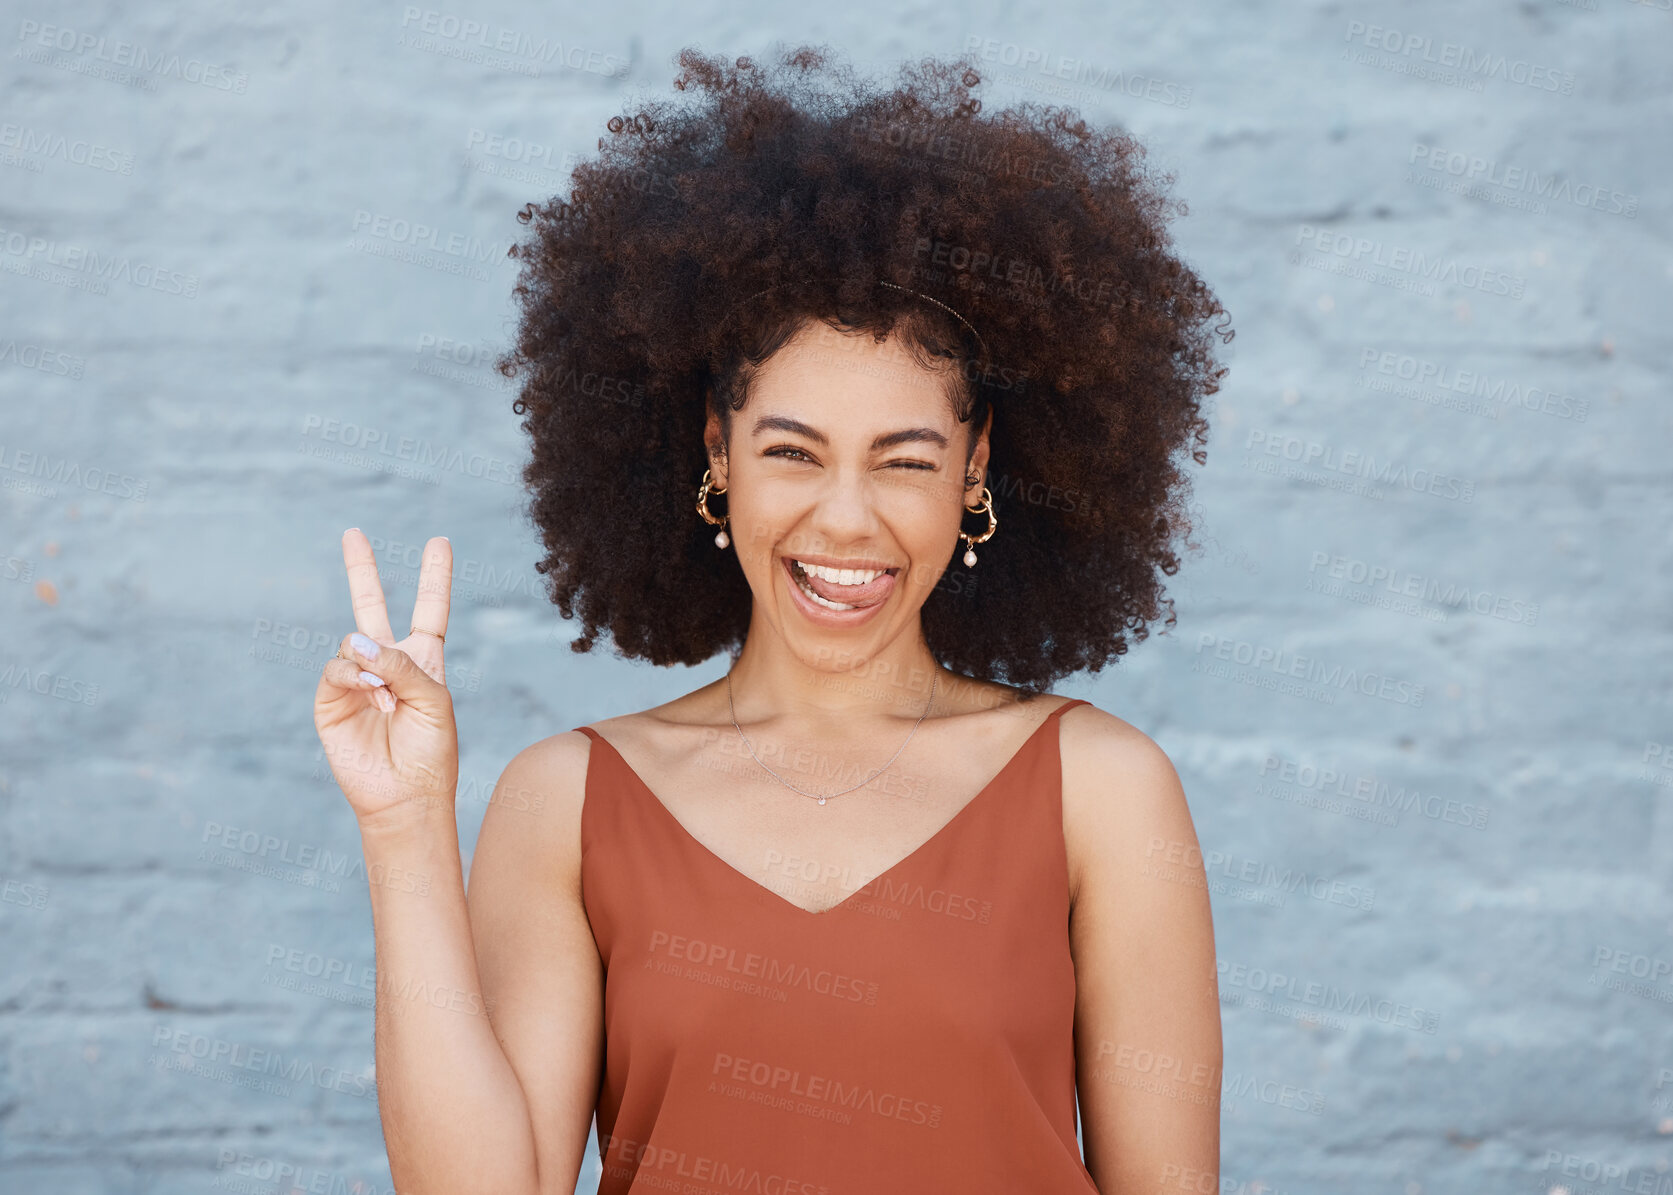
832, 594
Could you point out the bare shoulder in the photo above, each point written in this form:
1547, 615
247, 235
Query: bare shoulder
1141, 933
1122, 795
533, 821
554, 767
535, 810
1098, 745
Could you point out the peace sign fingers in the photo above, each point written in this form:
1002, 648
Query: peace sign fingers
435, 585
371, 614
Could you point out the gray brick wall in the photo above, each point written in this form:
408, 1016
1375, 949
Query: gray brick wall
1418, 691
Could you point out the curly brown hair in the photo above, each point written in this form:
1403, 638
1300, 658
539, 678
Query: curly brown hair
703, 236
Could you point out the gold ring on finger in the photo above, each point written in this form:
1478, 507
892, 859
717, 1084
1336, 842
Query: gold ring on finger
426, 631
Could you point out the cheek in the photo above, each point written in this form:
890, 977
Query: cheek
754, 530
932, 551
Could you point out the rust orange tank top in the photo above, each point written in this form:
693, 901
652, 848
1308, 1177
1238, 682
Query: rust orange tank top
917, 1037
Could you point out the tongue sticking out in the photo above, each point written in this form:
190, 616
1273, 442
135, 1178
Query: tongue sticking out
853, 595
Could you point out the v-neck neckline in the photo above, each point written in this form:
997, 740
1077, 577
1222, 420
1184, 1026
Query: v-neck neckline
945, 829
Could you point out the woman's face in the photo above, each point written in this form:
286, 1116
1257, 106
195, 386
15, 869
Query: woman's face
847, 456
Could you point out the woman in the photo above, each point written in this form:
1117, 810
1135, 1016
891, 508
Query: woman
859, 916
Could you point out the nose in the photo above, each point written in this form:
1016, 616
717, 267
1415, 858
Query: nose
846, 509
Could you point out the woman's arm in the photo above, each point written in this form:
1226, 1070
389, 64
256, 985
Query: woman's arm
539, 965
488, 1013
1147, 1009
487, 1029
464, 1108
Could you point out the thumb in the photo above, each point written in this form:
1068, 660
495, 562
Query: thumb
399, 671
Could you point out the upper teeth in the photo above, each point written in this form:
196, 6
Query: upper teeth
841, 576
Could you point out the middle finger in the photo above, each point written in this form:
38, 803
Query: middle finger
435, 584
371, 615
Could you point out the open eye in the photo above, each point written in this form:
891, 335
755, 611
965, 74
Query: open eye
785, 451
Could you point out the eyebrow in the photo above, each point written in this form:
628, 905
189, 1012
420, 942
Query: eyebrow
907, 435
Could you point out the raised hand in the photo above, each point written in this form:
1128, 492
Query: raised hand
387, 723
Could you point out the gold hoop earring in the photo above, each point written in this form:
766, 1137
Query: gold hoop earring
986, 504
721, 539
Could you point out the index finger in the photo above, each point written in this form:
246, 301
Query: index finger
435, 585
371, 615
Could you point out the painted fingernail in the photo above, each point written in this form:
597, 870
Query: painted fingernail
364, 645
385, 700
371, 678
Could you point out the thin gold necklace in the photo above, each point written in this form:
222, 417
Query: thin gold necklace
818, 797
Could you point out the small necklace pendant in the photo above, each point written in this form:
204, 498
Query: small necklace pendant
821, 800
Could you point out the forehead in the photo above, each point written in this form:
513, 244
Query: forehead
828, 376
